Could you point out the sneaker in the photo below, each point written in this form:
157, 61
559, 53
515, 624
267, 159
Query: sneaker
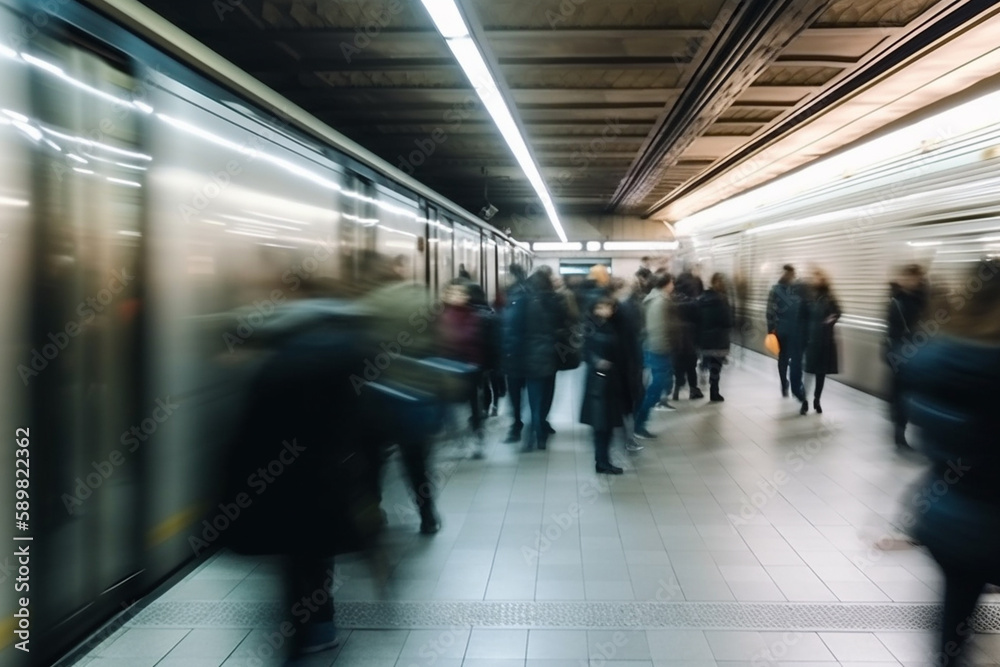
644, 434
608, 469
633, 446
805, 407
716, 398
514, 434
429, 523
696, 393
318, 637
549, 430
663, 405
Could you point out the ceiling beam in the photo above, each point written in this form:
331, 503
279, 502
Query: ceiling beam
750, 35
569, 61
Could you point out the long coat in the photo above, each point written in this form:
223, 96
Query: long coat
605, 394
821, 345
949, 387
716, 323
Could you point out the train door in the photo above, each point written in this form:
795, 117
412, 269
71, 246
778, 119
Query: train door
401, 232
490, 248
84, 373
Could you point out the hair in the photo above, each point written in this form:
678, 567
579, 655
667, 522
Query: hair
643, 273
787, 271
603, 300
518, 272
975, 310
718, 283
822, 285
661, 280
541, 280
913, 270
546, 269
463, 272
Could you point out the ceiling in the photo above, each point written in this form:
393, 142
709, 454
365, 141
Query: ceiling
627, 106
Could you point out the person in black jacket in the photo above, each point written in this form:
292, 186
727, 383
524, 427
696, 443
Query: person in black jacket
684, 345
604, 402
949, 387
786, 320
907, 303
716, 323
512, 323
822, 313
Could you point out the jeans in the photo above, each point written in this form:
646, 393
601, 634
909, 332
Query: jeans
515, 389
662, 381
790, 365
714, 366
538, 389
602, 447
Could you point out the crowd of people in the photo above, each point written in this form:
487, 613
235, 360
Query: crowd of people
384, 371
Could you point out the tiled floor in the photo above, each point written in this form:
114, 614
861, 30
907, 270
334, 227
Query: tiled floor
744, 535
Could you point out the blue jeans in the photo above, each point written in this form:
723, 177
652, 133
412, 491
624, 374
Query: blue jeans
790, 365
662, 371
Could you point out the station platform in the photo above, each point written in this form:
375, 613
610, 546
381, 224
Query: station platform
745, 534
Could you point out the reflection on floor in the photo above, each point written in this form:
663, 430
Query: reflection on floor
745, 534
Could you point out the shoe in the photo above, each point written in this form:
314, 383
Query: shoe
663, 405
318, 637
493, 412
784, 390
696, 393
805, 407
479, 453
549, 429
660, 407
817, 407
633, 446
429, 523
514, 434
716, 397
644, 434
608, 469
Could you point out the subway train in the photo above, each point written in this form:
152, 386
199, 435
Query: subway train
925, 191
153, 213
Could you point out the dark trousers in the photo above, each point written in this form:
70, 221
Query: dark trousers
308, 579
414, 454
493, 388
714, 366
790, 366
537, 391
476, 401
685, 368
818, 389
961, 592
897, 412
515, 389
550, 394
602, 446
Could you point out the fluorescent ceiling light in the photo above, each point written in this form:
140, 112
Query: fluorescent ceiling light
450, 23
593, 246
640, 245
922, 244
548, 246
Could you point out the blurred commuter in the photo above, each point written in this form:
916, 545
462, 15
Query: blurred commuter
643, 285
684, 341
513, 314
401, 307
822, 313
606, 388
305, 417
628, 319
785, 320
658, 311
531, 320
464, 337
716, 324
949, 386
596, 286
907, 303
568, 355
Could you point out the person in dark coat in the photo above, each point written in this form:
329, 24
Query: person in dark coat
949, 387
907, 302
606, 387
684, 328
716, 323
629, 322
531, 321
785, 319
513, 314
302, 474
822, 313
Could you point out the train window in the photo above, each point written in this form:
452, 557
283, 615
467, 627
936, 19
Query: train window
399, 231
444, 234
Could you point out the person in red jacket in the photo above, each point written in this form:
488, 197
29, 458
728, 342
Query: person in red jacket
463, 339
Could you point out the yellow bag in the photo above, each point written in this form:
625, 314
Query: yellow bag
771, 343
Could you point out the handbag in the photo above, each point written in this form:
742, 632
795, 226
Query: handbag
772, 345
